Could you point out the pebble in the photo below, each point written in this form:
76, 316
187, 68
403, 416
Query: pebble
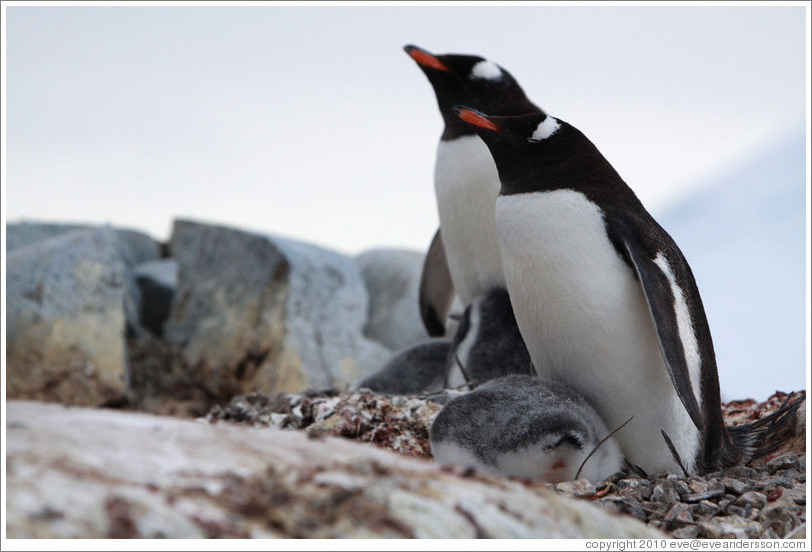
754, 499
735, 486
730, 527
783, 462
780, 520
707, 495
582, 488
678, 515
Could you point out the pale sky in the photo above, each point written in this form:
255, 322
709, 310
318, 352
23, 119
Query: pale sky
311, 122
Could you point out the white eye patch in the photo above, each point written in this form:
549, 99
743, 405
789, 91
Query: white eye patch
486, 69
546, 128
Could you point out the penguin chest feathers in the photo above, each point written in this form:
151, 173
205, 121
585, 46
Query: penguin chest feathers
467, 185
585, 320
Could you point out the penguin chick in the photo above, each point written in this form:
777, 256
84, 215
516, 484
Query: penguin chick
526, 427
487, 343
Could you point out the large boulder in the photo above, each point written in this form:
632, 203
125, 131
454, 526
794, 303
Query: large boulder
392, 277
137, 247
254, 312
75, 473
69, 301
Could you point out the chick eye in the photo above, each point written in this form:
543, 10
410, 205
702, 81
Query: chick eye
570, 439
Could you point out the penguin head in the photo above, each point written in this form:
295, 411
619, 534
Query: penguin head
536, 147
470, 80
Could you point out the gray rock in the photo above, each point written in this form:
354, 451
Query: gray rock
665, 492
156, 281
779, 518
730, 527
687, 532
783, 462
581, 488
734, 485
753, 499
68, 303
392, 279
678, 515
138, 247
639, 488
254, 312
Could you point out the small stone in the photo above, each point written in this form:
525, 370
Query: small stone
704, 508
779, 519
734, 485
754, 499
638, 488
739, 472
797, 495
729, 527
783, 462
697, 486
707, 495
775, 481
687, 532
775, 494
678, 515
582, 488
668, 491
715, 485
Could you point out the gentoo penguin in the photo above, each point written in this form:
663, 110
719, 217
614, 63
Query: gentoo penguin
415, 370
465, 181
527, 427
487, 343
604, 299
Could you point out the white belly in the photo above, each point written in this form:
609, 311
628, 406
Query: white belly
585, 321
467, 185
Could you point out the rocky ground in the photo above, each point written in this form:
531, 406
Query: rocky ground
765, 499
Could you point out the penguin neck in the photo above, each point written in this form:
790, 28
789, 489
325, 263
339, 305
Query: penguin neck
454, 127
593, 176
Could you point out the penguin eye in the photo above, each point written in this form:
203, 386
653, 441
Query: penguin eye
546, 128
570, 439
487, 70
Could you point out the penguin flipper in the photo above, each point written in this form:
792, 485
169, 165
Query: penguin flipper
659, 294
436, 288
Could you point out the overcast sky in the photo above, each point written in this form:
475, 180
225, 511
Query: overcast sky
311, 122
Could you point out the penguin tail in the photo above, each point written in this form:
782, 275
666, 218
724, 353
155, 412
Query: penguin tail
766, 435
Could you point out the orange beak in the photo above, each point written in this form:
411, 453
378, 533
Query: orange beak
425, 59
475, 118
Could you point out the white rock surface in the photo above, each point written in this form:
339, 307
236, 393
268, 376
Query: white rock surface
138, 247
92, 473
392, 278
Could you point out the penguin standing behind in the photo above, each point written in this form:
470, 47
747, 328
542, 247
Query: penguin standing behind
416, 370
465, 181
603, 297
528, 427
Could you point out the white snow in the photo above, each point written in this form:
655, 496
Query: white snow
744, 237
